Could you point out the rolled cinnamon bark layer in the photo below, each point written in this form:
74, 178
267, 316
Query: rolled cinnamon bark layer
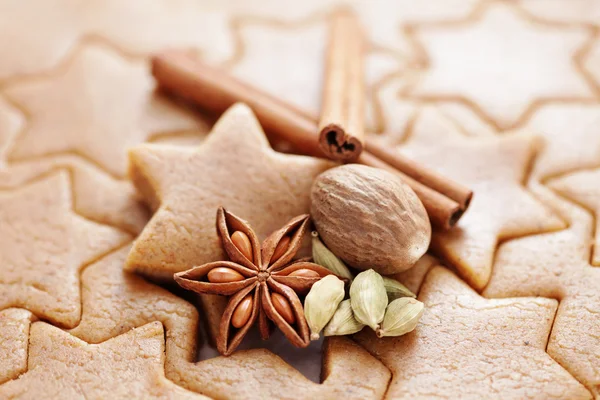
341, 126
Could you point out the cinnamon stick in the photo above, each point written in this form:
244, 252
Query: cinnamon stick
212, 89
341, 126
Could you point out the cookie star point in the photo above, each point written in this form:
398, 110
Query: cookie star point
237, 117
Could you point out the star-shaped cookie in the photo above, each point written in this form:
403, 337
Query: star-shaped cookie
466, 346
44, 247
395, 114
98, 106
129, 366
501, 63
96, 195
494, 168
571, 154
556, 265
14, 340
583, 188
115, 301
235, 168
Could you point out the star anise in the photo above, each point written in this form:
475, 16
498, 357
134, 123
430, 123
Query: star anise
262, 281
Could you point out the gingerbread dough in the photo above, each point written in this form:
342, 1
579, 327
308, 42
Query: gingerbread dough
141, 28
466, 346
44, 247
97, 195
570, 139
34, 41
11, 122
556, 265
494, 168
555, 10
297, 77
129, 366
98, 106
14, 341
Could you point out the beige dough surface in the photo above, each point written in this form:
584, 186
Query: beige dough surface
98, 106
11, 121
503, 96
14, 342
97, 195
583, 188
557, 265
494, 348
539, 48
127, 366
46, 281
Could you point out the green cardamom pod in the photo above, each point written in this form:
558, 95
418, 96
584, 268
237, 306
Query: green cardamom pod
368, 298
343, 321
401, 316
321, 302
325, 258
395, 289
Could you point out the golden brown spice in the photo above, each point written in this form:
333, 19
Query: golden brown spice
369, 218
242, 242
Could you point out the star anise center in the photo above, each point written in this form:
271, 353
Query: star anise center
263, 276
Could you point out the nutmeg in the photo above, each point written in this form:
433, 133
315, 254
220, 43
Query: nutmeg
369, 218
